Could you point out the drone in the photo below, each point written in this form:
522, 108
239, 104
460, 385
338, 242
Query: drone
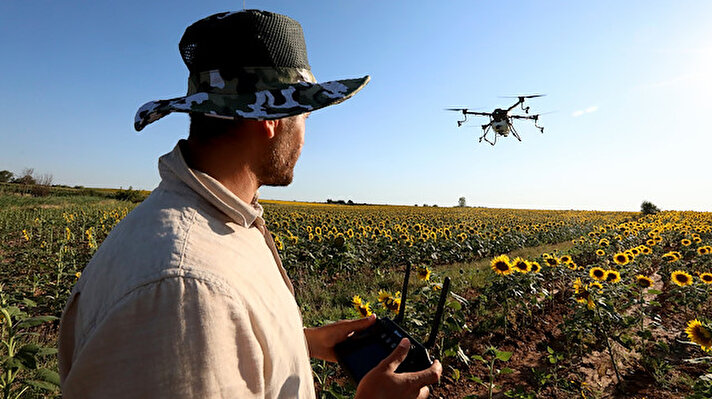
500, 121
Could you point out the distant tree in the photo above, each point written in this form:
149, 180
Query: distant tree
6, 176
42, 184
349, 202
648, 208
461, 202
26, 177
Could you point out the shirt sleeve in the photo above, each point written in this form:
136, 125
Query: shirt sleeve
176, 338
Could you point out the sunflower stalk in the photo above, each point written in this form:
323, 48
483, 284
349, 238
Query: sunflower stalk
599, 327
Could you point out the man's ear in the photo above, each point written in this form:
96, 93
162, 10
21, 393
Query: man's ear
270, 127
265, 128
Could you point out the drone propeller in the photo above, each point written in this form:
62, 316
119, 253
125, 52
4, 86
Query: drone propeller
529, 96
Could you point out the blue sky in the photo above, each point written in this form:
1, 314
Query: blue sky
629, 83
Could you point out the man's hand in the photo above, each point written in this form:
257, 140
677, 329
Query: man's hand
321, 340
383, 382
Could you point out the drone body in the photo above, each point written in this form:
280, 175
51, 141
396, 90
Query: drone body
500, 121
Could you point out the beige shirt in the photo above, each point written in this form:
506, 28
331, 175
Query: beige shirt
186, 298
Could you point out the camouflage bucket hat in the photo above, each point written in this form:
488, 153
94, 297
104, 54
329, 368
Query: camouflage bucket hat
249, 64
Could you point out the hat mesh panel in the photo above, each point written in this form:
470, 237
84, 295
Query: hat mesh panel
250, 38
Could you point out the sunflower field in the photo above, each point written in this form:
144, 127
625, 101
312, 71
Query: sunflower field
543, 304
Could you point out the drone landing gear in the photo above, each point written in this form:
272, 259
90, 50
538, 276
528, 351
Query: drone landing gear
486, 129
514, 132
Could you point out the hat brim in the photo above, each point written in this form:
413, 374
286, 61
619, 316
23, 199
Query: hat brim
276, 103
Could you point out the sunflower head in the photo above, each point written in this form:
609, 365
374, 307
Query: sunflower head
686, 242
612, 276
596, 285
521, 265
501, 265
600, 252
671, 256
621, 258
703, 250
681, 278
643, 281
566, 259
423, 273
536, 268
706, 278
700, 333
552, 261
597, 273
364, 309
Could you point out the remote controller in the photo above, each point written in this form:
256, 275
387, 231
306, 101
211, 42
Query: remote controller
364, 350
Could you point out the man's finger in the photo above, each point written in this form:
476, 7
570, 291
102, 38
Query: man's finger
397, 356
347, 327
424, 393
428, 376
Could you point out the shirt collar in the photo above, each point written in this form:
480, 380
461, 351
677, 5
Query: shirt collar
172, 166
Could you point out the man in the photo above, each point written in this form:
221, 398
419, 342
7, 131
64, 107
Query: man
187, 296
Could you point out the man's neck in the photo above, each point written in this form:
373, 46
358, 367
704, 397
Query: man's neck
229, 167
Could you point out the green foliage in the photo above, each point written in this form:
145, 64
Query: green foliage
19, 356
648, 208
129, 195
6, 176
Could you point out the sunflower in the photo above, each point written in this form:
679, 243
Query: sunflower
383, 295
423, 273
645, 250
650, 242
681, 278
356, 301
597, 273
501, 265
671, 256
364, 309
596, 284
390, 302
521, 265
565, 259
703, 250
706, 278
635, 251
612, 276
643, 281
621, 258
700, 334
572, 265
536, 268
600, 252
686, 242
582, 295
552, 261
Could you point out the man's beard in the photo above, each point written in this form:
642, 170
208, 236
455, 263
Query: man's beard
278, 166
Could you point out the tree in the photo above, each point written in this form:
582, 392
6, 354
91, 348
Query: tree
461, 202
648, 208
26, 177
6, 176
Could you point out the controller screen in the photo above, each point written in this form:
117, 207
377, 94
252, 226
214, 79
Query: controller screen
366, 358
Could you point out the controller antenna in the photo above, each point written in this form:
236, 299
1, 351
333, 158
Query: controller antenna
438, 314
404, 294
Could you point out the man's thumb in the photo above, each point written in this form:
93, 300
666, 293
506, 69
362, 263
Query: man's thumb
397, 356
